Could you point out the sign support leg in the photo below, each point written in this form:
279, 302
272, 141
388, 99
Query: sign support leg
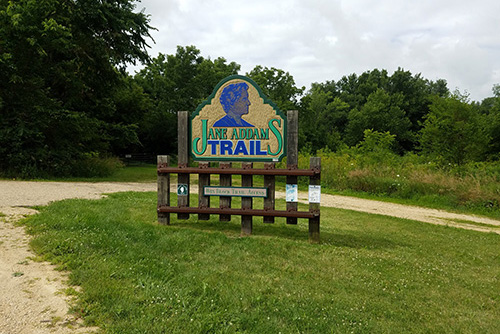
163, 189
246, 202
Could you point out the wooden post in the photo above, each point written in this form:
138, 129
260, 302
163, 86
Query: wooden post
183, 159
163, 183
224, 201
246, 202
292, 159
270, 184
315, 163
203, 201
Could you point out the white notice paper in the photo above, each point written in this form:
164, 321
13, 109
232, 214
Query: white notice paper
314, 194
292, 193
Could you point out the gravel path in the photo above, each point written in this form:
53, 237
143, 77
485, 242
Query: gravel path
30, 292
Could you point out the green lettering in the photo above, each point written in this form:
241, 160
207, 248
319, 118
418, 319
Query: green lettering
264, 133
204, 140
235, 134
276, 133
211, 135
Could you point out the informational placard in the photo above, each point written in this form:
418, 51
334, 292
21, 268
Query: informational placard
237, 123
182, 189
235, 191
314, 194
292, 193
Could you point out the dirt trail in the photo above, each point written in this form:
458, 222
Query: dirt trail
31, 298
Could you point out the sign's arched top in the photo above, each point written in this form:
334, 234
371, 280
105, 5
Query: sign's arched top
237, 123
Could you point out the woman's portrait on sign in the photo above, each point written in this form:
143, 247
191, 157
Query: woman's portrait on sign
234, 101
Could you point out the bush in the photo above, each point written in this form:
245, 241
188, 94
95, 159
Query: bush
95, 166
88, 165
473, 185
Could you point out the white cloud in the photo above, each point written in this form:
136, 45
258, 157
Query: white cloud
321, 40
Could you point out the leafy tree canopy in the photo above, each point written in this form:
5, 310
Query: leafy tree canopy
453, 132
373, 100
59, 64
278, 85
177, 82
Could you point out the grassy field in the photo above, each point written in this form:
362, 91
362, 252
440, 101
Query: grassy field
370, 274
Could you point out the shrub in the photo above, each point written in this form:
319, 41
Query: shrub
96, 166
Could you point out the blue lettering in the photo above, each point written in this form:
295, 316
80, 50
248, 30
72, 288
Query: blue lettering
226, 145
240, 148
214, 144
257, 148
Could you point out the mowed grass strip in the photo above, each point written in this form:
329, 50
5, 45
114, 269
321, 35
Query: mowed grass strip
369, 274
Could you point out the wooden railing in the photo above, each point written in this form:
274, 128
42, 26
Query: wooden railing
225, 211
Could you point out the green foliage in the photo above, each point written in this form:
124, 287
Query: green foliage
373, 169
65, 95
58, 64
322, 120
174, 83
381, 112
490, 108
377, 142
370, 274
277, 85
453, 132
95, 166
373, 100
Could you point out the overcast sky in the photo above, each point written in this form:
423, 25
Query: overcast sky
319, 40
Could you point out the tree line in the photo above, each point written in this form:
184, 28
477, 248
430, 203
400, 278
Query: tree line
67, 101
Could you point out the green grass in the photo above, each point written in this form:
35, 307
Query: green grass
370, 273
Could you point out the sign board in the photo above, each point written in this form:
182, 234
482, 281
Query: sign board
237, 123
314, 194
182, 189
235, 191
292, 193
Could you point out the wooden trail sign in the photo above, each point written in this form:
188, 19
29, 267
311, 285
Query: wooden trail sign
237, 123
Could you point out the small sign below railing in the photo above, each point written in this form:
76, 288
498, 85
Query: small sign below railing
235, 191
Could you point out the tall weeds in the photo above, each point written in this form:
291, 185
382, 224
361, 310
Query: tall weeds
475, 185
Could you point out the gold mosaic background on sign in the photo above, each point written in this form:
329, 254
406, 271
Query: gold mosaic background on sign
259, 114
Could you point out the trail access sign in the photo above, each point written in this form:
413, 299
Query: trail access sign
237, 123
182, 189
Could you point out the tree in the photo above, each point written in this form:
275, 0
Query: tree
277, 85
453, 131
490, 107
322, 119
383, 113
59, 64
176, 82
390, 102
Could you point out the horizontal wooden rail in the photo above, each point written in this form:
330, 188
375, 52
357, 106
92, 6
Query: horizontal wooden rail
239, 171
236, 211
